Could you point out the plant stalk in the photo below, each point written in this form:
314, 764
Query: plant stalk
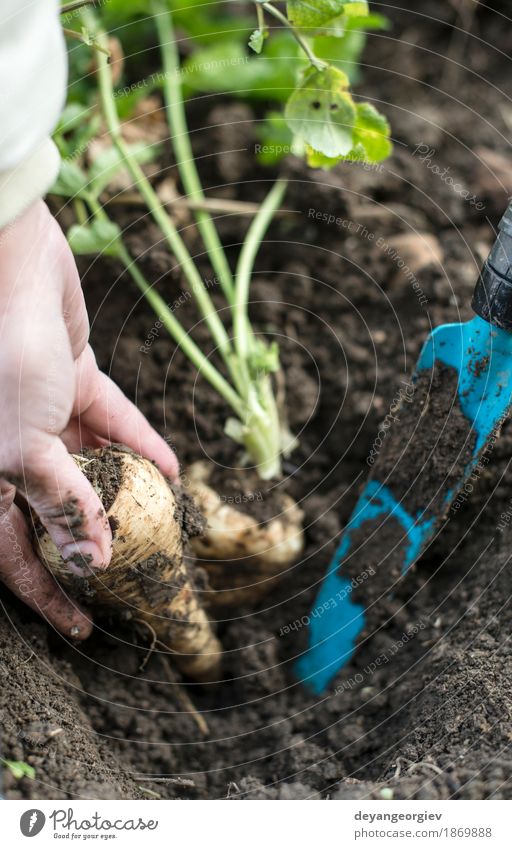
179, 334
159, 214
251, 397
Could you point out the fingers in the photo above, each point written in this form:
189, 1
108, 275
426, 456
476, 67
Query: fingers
66, 503
105, 410
26, 577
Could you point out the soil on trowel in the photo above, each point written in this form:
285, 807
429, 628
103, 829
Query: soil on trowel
428, 445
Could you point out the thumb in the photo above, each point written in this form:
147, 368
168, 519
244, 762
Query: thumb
66, 504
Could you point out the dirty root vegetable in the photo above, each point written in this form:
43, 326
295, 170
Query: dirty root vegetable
243, 557
147, 573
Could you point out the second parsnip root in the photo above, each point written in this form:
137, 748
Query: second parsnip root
244, 557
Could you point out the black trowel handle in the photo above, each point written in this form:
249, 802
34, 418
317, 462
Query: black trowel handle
492, 299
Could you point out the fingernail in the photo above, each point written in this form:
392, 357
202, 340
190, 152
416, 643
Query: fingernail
82, 556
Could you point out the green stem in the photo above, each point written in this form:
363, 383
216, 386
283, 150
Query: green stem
250, 248
318, 63
178, 128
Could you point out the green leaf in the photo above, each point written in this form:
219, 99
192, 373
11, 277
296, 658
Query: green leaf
71, 181
73, 116
109, 162
257, 40
314, 14
321, 111
372, 132
20, 769
264, 359
94, 238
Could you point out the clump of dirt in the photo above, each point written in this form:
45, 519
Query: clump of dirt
422, 711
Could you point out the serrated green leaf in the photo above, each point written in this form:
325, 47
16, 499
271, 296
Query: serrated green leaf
109, 162
321, 111
372, 132
94, 238
257, 40
71, 180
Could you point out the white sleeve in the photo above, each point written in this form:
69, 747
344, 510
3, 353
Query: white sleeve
33, 75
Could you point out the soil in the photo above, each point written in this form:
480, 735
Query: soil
104, 470
423, 710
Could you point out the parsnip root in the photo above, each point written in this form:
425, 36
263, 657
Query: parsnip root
147, 573
244, 559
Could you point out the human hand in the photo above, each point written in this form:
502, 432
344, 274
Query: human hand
54, 399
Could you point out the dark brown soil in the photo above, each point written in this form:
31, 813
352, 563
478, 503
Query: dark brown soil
423, 710
105, 472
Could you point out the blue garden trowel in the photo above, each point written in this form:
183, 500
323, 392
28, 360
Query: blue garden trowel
460, 395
